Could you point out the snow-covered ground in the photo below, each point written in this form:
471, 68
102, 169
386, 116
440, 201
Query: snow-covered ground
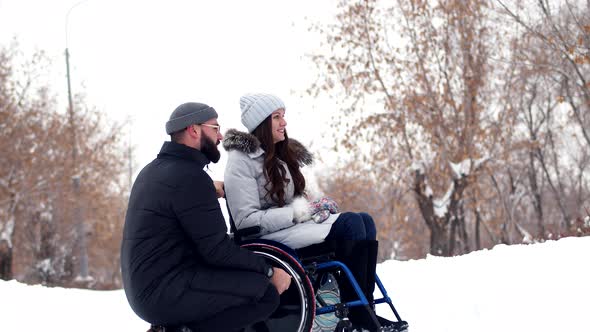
540, 287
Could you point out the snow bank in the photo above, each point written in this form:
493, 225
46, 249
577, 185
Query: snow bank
540, 287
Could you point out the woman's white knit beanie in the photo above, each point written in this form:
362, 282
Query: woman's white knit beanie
256, 107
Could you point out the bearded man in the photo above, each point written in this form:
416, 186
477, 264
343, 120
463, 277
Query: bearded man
181, 271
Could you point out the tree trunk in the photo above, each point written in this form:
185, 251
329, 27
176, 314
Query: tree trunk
47, 249
537, 199
463, 230
6, 236
439, 241
453, 236
477, 230
5, 260
442, 239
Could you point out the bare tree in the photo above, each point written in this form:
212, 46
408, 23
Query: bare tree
38, 234
422, 69
554, 58
564, 28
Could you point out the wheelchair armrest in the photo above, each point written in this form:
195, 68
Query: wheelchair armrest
248, 231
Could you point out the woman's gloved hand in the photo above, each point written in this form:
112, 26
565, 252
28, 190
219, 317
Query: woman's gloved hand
320, 216
324, 203
318, 210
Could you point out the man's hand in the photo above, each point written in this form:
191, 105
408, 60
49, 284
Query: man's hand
280, 279
219, 189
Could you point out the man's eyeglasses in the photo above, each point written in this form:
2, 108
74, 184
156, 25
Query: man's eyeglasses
217, 127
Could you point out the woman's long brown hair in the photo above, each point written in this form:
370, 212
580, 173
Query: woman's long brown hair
273, 170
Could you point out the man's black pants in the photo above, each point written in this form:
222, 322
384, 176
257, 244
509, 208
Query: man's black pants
216, 300
235, 318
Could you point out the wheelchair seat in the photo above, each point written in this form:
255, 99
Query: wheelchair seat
315, 252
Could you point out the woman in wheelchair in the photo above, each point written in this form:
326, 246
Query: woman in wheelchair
265, 188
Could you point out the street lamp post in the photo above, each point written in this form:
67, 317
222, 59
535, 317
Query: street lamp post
76, 179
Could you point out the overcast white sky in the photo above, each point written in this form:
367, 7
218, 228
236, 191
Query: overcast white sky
141, 59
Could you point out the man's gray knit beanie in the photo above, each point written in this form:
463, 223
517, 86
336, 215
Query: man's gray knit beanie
258, 106
188, 114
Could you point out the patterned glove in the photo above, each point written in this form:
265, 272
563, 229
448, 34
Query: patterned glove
324, 203
320, 216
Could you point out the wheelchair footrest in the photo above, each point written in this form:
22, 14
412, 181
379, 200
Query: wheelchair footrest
401, 326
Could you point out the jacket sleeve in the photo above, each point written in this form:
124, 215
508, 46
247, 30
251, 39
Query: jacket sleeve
197, 208
243, 198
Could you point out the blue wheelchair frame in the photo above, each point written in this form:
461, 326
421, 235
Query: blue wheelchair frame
362, 301
340, 309
327, 267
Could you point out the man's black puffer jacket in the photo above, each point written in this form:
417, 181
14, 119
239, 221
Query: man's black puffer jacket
175, 238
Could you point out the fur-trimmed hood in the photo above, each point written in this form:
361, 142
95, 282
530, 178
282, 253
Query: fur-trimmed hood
248, 143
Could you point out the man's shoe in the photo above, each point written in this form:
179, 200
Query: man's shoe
159, 328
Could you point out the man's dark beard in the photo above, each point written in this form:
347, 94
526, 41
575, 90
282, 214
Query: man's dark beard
209, 149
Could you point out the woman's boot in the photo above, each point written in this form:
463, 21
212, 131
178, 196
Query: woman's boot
354, 254
372, 253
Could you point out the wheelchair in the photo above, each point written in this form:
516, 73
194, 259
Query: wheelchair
304, 306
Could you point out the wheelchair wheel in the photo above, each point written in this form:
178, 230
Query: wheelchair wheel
296, 311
